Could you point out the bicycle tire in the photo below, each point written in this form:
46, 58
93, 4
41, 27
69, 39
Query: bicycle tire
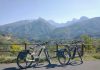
21, 59
64, 57
77, 57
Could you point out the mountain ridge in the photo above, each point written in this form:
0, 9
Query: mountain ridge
43, 29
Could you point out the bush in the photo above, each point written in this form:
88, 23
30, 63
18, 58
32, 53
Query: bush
15, 49
97, 56
98, 49
7, 59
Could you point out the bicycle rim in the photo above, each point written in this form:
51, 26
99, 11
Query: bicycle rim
64, 60
25, 62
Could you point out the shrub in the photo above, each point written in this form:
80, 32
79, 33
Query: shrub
15, 49
7, 59
98, 49
97, 56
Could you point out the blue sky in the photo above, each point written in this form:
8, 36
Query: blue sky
57, 10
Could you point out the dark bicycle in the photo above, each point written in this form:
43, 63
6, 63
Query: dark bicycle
25, 58
74, 50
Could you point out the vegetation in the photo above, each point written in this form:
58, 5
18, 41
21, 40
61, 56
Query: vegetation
92, 49
88, 41
15, 49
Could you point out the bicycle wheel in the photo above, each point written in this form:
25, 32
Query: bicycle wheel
76, 57
63, 56
24, 59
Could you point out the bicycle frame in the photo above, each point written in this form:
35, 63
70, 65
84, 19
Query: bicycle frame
45, 52
75, 50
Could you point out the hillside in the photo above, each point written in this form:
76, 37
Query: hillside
36, 29
41, 29
89, 26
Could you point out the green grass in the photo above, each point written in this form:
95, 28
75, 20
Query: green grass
7, 59
96, 56
91, 56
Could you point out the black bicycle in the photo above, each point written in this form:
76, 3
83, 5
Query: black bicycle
75, 50
25, 58
70, 51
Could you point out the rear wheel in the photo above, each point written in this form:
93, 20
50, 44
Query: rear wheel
24, 59
76, 56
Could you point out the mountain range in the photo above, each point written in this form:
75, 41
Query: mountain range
41, 29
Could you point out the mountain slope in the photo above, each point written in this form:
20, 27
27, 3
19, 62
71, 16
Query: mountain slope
42, 29
36, 29
90, 27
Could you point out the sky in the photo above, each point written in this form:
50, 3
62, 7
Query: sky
60, 11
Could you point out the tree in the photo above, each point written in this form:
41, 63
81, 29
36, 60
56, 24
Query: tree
88, 42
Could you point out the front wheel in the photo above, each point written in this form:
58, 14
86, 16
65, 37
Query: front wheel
63, 57
24, 59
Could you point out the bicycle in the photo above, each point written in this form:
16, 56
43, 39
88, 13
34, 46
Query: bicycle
69, 52
25, 58
77, 47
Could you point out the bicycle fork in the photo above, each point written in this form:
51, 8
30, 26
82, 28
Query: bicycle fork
47, 56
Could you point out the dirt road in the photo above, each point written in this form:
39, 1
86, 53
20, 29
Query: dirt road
87, 65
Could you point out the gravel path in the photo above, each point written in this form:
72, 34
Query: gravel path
87, 65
